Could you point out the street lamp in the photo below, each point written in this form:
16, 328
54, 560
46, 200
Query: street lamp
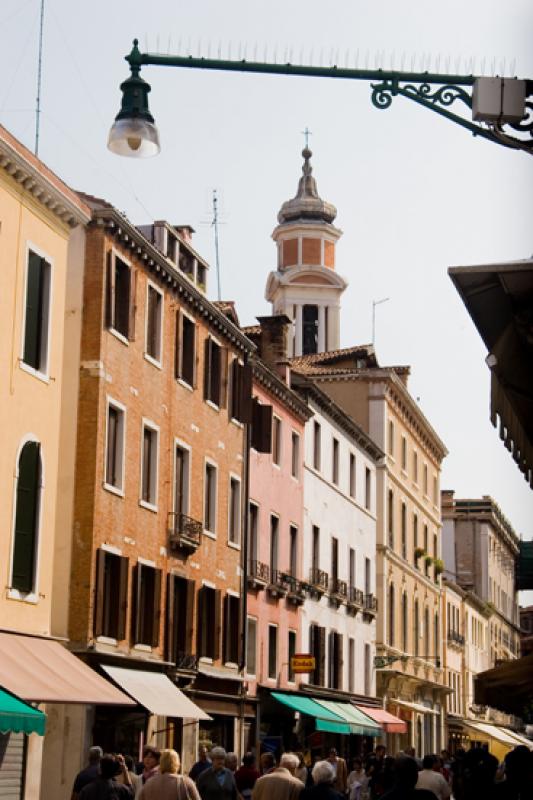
374, 304
134, 133
501, 108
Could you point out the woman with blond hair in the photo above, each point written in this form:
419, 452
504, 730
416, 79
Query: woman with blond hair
168, 784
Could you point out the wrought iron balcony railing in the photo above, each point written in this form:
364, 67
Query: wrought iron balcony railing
186, 662
339, 588
456, 638
297, 590
319, 580
278, 585
370, 604
355, 598
184, 532
258, 574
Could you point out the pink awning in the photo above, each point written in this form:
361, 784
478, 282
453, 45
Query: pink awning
388, 722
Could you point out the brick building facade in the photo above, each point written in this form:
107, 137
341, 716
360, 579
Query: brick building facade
156, 579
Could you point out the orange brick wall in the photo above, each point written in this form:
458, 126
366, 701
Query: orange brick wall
329, 254
311, 251
146, 391
290, 252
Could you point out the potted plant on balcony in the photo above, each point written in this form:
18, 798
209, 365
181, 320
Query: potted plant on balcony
419, 552
428, 560
438, 565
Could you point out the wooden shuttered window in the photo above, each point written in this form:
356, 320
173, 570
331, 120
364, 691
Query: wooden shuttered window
209, 623
121, 291
336, 660
146, 605
179, 619
215, 373
111, 595
26, 518
186, 349
35, 316
317, 645
241, 391
232, 629
261, 427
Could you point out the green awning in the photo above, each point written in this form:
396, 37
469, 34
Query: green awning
324, 720
359, 722
19, 717
331, 716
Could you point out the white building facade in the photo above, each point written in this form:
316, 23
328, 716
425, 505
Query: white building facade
339, 562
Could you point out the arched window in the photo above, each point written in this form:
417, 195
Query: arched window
427, 632
26, 518
391, 615
417, 628
405, 623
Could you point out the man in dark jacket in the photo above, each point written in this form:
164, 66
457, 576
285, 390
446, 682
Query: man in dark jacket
217, 782
105, 787
91, 771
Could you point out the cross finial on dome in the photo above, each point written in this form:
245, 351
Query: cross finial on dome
307, 203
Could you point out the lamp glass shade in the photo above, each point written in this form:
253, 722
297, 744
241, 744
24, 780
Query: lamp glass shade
134, 137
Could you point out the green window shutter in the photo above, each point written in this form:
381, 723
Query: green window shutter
34, 311
26, 517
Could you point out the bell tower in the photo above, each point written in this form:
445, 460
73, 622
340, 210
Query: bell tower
305, 286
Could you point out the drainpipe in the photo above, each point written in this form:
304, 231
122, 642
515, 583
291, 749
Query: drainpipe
244, 571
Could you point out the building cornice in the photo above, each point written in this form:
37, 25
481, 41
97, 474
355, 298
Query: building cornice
118, 226
40, 182
310, 390
397, 393
276, 387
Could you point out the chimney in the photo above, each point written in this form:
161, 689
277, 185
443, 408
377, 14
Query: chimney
447, 498
273, 343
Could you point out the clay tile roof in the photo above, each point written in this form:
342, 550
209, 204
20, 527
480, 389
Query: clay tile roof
93, 201
251, 330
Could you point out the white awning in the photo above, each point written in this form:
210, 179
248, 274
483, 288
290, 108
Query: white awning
520, 739
219, 672
418, 707
42, 670
156, 692
493, 731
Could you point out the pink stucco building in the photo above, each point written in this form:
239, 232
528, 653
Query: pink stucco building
276, 524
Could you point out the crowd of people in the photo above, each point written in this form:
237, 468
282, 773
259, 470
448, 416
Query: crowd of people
468, 775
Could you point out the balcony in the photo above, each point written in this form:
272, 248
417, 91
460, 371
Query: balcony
258, 575
186, 662
338, 593
370, 605
297, 590
278, 586
184, 532
355, 600
456, 638
319, 582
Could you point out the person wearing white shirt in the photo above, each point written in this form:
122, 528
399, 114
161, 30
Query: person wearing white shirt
430, 778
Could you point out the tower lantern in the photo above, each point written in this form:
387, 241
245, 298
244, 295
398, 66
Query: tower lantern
305, 286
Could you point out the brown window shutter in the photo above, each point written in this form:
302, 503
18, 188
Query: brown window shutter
99, 593
261, 427
136, 604
170, 623
196, 355
189, 616
201, 627
207, 368
156, 623
227, 627
223, 392
133, 305
123, 597
218, 624
177, 352
110, 290
245, 402
340, 660
322, 656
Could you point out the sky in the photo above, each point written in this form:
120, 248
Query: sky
415, 193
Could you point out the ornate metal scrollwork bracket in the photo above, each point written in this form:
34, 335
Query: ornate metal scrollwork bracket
441, 98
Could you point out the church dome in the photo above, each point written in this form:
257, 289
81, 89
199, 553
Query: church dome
307, 205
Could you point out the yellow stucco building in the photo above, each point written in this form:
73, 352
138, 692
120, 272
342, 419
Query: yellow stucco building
42, 234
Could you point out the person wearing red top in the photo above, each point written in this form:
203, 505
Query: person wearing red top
246, 776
